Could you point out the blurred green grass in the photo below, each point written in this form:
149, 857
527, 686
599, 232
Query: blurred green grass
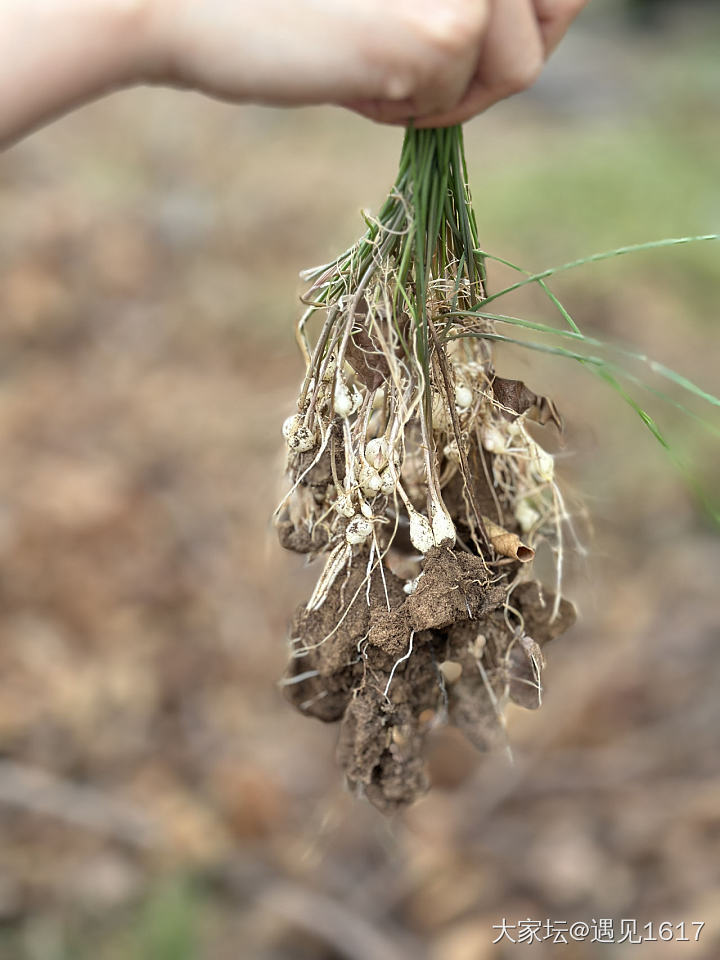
164, 925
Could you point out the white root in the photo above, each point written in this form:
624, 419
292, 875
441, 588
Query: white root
334, 565
397, 664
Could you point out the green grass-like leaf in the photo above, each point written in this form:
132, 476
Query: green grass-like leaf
612, 373
593, 258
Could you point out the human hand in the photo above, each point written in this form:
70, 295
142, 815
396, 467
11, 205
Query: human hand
439, 62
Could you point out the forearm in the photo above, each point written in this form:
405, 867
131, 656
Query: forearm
57, 54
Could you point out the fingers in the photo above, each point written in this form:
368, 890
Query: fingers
554, 18
512, 54
455, 33
519, 35
511, 58
443, 40
399, 112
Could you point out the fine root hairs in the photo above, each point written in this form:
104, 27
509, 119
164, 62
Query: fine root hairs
397, 664
499, 714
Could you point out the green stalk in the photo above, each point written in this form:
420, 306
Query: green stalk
426, 231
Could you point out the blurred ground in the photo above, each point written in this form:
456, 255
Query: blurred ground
158, 800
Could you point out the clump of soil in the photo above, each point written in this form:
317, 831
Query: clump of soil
389, 665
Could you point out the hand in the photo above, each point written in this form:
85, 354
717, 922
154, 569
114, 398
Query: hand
518, 38
439, 62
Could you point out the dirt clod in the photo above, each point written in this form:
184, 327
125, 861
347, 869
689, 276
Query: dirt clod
370, 657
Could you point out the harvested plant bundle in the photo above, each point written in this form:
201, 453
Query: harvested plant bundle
414, 474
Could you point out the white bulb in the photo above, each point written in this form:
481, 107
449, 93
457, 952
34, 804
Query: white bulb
297, 436
346, 401
526, 515
358, 530
369, 480
492, 439
442, 526
376, 452
344, 506
302, 440
343, 400
387, 482
291, 425
421, 534
366, 509
463, 397
543, 463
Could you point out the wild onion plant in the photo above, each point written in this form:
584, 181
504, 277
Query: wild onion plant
414, 473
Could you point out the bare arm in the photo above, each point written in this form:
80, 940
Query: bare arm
439, 61
57, 54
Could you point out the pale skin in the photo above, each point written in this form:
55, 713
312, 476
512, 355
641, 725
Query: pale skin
438, 62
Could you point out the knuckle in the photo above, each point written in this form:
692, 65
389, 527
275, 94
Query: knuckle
455, 27
399, 82
523, 75
448, 29
436, 36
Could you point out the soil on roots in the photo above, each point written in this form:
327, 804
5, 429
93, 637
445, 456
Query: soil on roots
389, 665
